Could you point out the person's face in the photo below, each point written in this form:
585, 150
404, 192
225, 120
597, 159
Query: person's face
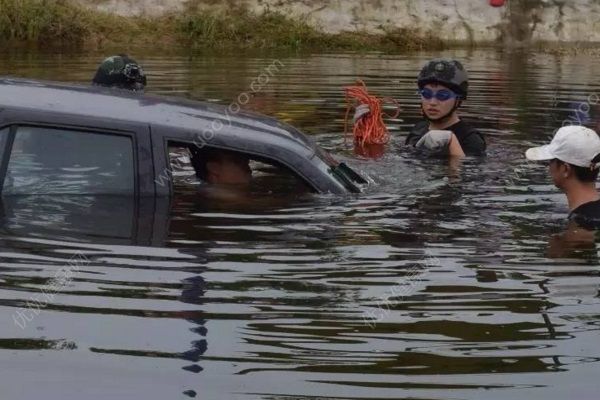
230, 169
434, 108
559, 172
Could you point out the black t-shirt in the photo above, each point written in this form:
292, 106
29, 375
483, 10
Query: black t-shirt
471, 140
587, 215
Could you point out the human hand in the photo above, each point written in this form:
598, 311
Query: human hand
360, 112
435, 140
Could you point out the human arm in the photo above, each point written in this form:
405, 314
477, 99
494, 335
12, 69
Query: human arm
454, 147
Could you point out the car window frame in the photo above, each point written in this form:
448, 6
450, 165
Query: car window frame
309, 168
270, 160
139, 134
3, 139
5, 149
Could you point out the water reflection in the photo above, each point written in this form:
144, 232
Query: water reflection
298, 308
274, 297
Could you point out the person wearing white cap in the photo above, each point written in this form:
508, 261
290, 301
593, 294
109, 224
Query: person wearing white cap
574, 155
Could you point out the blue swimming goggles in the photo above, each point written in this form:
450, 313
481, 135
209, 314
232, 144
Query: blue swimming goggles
441, 95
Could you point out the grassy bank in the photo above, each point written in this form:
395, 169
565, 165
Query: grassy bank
63, 23
275, 30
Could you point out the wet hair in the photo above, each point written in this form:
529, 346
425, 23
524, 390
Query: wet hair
585, 174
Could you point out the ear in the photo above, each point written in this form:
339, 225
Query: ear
457, 104
567, 170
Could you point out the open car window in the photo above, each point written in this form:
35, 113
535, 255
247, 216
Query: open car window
180, 161
60, 161
267, 176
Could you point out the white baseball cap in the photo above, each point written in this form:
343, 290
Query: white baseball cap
573, 144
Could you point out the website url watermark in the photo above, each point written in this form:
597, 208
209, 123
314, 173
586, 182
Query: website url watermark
579, 114
203, 137
62, 278
404, 286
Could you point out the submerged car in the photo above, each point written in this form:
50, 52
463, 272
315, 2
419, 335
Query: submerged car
66, 139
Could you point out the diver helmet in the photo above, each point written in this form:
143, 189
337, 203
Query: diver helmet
122, 72
449, 73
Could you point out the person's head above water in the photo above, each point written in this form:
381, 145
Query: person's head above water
574, 155
217, 166
443, 85
122, 72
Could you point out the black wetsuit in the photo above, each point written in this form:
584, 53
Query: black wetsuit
587, 215
470, 139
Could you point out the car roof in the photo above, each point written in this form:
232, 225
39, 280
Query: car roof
177, 119
118, 104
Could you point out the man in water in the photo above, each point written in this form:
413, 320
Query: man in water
574, 155
221, 167
443, 86
122, 72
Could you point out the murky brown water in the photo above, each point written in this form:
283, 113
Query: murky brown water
436, 284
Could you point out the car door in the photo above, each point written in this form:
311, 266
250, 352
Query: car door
53, 153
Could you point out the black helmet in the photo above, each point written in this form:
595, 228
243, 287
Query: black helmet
449, 73
122, 72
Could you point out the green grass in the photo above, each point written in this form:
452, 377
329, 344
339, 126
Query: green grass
42, 20
242, 29
64, 23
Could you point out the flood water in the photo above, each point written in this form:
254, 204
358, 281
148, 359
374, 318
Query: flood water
439, 282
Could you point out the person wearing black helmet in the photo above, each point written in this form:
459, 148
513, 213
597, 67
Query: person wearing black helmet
443, 86
122, 72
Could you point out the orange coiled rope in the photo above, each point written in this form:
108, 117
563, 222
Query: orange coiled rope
369, 129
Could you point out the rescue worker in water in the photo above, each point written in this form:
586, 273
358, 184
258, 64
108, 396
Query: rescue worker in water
443, 87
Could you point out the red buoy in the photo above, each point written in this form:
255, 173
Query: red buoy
497, 3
